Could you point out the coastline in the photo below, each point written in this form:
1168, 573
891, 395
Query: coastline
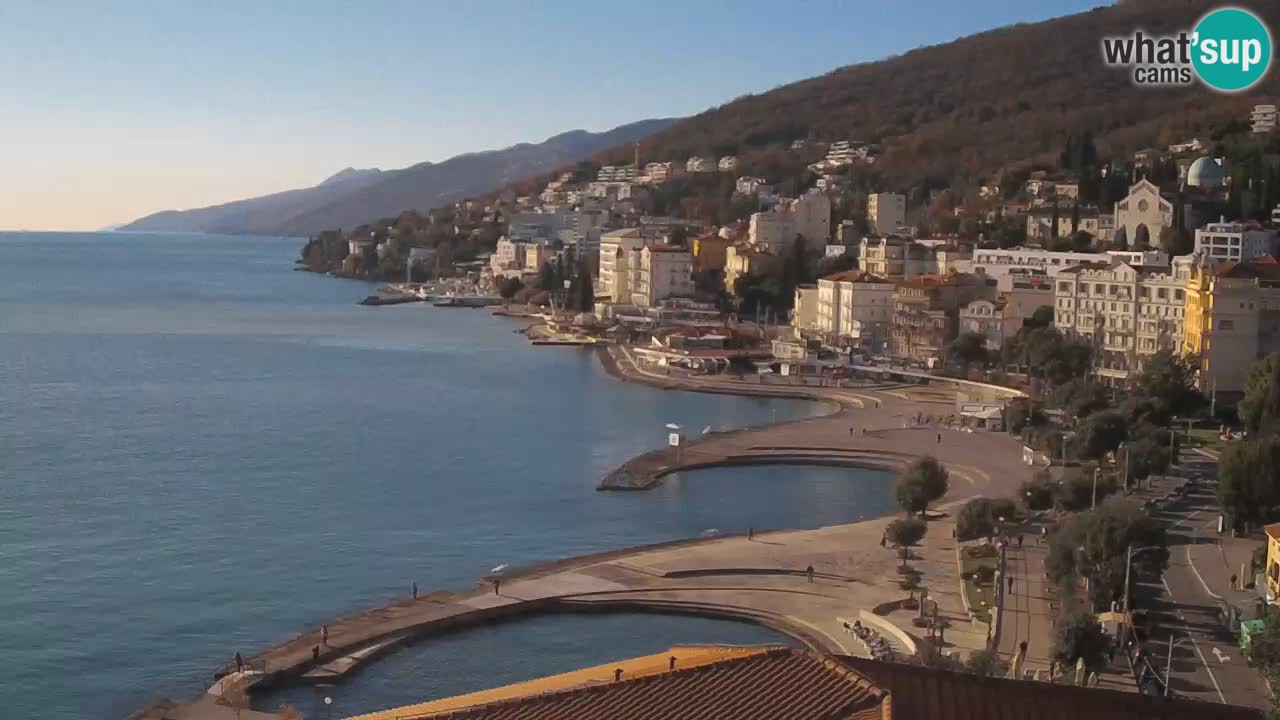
361, 637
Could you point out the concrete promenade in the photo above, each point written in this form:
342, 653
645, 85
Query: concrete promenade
761, 579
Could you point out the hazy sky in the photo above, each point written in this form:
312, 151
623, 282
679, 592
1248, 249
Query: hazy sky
112, 110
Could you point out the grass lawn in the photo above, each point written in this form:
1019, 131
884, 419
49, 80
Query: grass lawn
1206, 438
981, 595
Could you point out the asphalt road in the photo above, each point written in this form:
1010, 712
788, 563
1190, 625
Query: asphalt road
1206, 661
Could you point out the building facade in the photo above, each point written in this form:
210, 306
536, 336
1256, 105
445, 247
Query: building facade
926, 313
1128, 312
615, 250
1232, 320
1143, 214
659, 273
885, 212
855, 308
1235, 242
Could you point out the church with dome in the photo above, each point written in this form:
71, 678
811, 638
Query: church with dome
1201, 198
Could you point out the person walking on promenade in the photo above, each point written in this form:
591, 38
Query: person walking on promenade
315, 653
751, 534
496, 584
939, 438
324, 635
239, 662
884, 539
415, 591
1010, 583
809, 572
1019, 540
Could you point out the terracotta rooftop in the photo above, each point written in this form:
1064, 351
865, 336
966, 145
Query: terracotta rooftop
777, 684
854, 276
1273, 530
920, 693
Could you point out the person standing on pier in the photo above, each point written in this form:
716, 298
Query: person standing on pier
809, 572
415, 591
496, 584
239, 662
324, 635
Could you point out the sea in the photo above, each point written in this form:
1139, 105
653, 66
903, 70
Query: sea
205, 451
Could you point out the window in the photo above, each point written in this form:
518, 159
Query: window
1099, 289
1162, 293
1178, 295
1064, 287
1226, 324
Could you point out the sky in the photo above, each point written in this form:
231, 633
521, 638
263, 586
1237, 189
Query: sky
112, 110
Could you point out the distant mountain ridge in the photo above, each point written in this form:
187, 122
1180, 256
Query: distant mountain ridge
354, 196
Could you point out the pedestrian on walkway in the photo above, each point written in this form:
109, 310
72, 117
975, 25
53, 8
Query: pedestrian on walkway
751, 534
809, 571
315, 653
1010, 583
884, 539
1022, 646
415, 591
324, 635
496, 584
939, 438
850, 431
1019, 540
239, 662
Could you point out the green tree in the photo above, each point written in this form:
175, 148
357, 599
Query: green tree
920, 483
1147, 452
1260, 408
1102, 433
978, 517
1077, 492
1175, 241
508, 287
1053, 223
1249, 481
1080, 397
1075, 218
1264, 648
585, 291
986, 663
1168, 381
1094, 544
967, 350
1041, 317
1038, 492
905, 533
1079, 636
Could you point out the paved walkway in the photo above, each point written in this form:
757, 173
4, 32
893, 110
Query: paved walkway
762, 578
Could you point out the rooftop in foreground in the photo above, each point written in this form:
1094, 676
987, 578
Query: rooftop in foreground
767, 683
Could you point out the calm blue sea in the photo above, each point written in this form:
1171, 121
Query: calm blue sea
203, 451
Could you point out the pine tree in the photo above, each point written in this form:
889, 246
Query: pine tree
1075, 216
1053, 226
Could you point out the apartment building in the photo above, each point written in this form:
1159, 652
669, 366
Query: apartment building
1040, 222
659, 273
747, 185
808, 216
741, 260
900, 258
1129, 312
1019, 263
1232, 320
855, 308
989, 319
1236, 242
885, 212
615, 253
926, 312
728, 163
700, 164
658, 171
617, 173
710, 251
804, 313
1264, 118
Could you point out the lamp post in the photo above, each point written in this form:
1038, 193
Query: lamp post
1168, 663
1128, 564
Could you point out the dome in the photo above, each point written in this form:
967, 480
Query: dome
1205, 173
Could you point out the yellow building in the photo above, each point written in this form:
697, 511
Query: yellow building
1273, 562
1232, 318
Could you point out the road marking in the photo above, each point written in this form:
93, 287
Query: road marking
1194, 642
1221, 658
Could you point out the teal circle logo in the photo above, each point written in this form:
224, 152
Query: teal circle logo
1231, 49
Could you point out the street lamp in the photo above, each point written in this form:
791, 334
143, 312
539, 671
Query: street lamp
1168, 663
1128, 564
1125, 447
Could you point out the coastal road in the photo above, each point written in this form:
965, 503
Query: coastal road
1206, 661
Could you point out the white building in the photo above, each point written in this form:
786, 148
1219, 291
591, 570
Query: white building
748, 185
700, 164
1144, 213
808, 216
1263, 118
1128, 312
658, 171
856, 308
728, 163
885, 212
804, 313
988, 319
616, 247
617, 173
1234, 241
1013, 264
658, 273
